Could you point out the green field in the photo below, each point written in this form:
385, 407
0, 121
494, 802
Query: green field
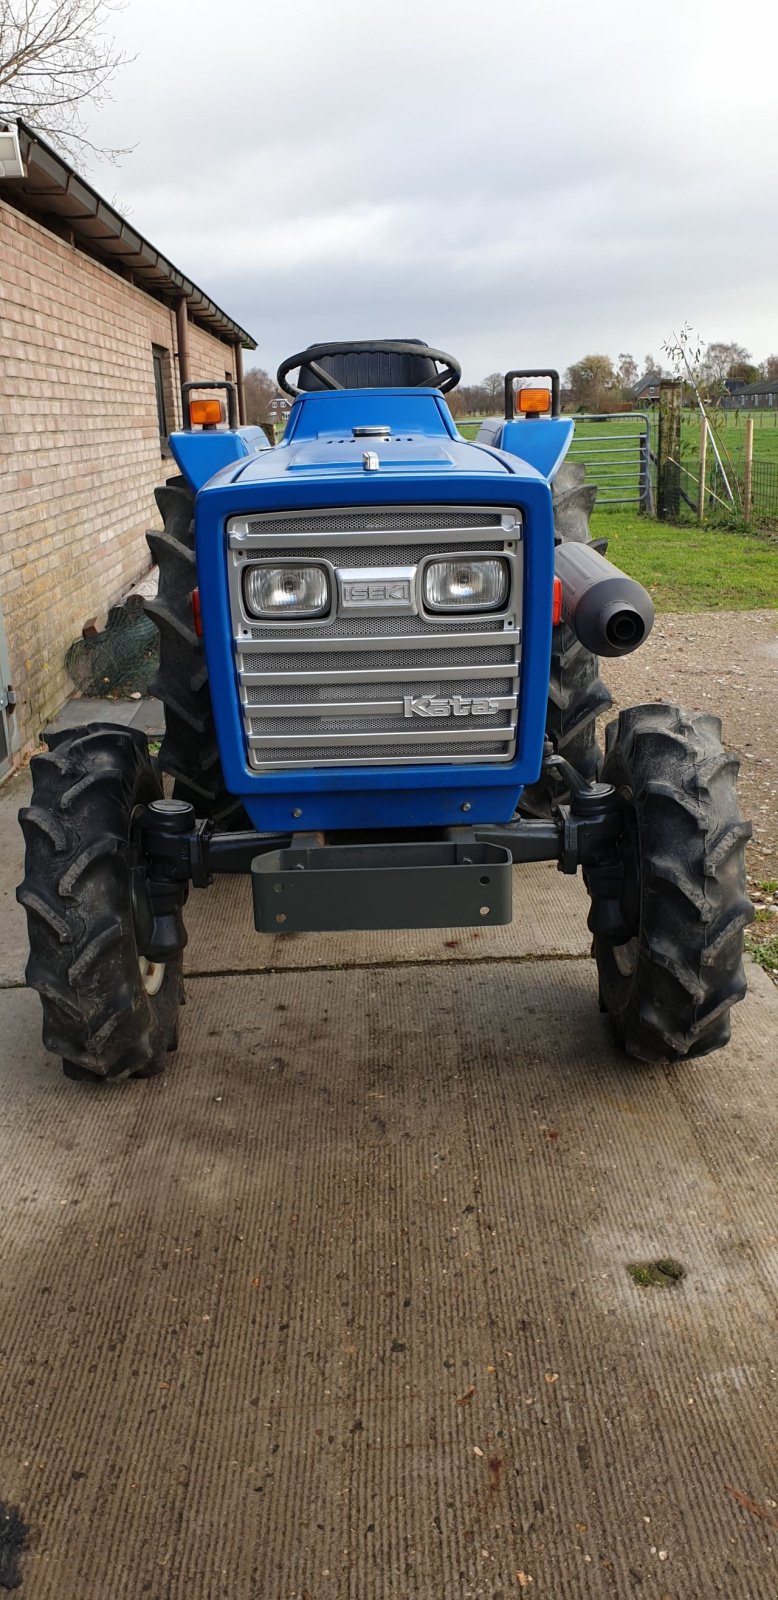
729, 426
610, 453
690, 568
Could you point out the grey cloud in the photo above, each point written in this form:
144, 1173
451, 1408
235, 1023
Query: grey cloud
517, 182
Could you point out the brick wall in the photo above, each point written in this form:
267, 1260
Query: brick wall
80, 451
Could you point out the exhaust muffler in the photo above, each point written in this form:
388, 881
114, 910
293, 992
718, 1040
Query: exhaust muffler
610, 613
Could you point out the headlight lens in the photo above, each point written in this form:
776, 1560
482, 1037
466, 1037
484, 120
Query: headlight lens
466, 585
287, 591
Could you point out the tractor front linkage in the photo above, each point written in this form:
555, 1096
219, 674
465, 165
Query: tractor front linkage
304, 882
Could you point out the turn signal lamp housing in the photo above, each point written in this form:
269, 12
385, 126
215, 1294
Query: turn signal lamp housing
206, 413
533, 402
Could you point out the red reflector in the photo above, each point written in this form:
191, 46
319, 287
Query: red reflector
556, 609
197, 615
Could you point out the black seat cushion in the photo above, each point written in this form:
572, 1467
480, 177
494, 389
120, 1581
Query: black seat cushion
370, 368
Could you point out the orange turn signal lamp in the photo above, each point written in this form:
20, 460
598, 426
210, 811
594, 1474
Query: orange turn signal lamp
206, 413
556, 604
533, 402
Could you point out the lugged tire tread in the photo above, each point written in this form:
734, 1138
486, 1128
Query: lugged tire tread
99, 850
83, 958
577, 695
189, 750
36, 905
694, 905
36, 817
102, 939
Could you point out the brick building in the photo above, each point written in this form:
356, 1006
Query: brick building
97, 332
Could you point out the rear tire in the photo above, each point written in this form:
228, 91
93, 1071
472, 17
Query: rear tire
189, 751
106, 1011
669, 991
576, 692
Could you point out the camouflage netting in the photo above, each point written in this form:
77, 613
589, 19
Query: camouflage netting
119, 661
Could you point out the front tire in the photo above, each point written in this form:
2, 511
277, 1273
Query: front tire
576, 692
669, 989
189, 751
107, 1011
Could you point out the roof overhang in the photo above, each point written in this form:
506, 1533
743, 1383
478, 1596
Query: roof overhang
52, 189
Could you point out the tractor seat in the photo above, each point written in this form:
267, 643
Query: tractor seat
365, 367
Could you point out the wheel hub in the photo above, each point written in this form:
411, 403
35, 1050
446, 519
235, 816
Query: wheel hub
152, 974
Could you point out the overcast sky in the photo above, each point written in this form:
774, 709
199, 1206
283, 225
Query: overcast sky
519, 181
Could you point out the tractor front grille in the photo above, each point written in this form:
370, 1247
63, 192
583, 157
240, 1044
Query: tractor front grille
354, 690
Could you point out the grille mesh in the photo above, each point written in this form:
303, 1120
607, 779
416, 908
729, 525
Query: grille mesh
414, 742
351, 754
368, 627
364, 521
357, 661
382, 724
375, 555
284, 693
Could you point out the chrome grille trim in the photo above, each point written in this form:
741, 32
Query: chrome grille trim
426, 736
329, 710
380, 675
348, 728
379, 641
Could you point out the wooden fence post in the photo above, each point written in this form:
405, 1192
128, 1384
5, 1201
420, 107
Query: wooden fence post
669, 451
702, 489
748, 468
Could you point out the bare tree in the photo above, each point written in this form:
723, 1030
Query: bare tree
627, 371
720, 357
770, 367
54, 60
494, 387
259, 389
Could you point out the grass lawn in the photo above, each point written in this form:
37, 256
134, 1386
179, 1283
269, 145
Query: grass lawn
691, 568
730, 427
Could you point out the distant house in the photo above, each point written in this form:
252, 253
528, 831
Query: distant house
754, 396
280, 405
646, 390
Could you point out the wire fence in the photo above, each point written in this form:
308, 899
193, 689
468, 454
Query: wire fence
625, 469
754, 496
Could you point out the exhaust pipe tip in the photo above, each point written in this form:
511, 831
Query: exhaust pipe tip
625, 630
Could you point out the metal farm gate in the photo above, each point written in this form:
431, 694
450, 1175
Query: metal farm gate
615, 449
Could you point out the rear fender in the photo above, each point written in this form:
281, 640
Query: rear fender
543, 442
200, 455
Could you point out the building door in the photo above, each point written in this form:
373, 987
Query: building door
6, 735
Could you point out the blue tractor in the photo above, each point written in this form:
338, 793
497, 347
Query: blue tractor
379, 665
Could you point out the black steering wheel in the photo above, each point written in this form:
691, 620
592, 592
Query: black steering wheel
310, 361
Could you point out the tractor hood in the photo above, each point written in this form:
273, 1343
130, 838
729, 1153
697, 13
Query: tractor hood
338, 453
366, 434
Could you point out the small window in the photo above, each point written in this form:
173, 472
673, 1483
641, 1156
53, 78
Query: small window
161, 358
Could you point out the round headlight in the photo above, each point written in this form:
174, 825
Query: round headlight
289, 591
466, 585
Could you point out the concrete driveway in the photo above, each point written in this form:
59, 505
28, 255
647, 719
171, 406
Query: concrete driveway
340, 1307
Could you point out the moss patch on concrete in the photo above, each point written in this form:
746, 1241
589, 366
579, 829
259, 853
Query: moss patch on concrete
662, 1274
